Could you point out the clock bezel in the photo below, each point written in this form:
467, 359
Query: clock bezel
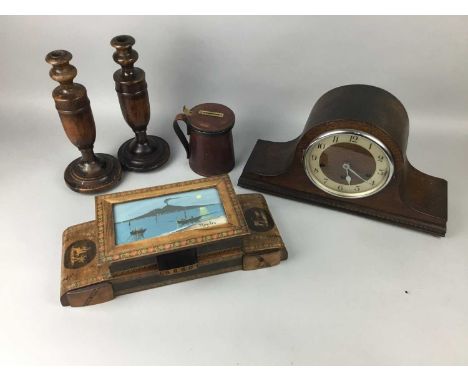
357, 195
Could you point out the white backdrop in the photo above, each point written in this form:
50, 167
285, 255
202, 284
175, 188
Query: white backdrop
340, 298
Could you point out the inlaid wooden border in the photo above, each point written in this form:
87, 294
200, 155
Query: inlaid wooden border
108, 251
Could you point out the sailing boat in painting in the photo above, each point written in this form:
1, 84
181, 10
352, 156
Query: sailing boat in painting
159, 216
189, 220
138, 234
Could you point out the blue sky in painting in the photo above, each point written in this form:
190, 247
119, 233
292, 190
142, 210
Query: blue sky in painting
130, 210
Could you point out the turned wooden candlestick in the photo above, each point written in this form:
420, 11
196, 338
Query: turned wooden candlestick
92, 172
144, 152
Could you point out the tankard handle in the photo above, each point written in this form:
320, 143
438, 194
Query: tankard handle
180, 134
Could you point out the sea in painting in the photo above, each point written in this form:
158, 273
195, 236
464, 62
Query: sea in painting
154, 217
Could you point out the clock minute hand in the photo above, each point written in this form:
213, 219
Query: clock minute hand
359, 176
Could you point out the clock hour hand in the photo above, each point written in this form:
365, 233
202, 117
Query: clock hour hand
348, 178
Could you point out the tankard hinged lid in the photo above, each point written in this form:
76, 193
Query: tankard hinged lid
210, 118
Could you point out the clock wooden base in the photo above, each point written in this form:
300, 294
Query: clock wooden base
411, 198
86, 281
421, 211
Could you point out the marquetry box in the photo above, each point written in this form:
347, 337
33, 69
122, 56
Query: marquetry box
162, 235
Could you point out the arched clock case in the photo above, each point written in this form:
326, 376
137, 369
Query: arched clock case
351, 156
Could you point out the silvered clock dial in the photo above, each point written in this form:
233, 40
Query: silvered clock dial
348, 163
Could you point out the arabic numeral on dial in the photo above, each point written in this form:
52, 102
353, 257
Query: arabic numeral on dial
313, 157
315, 170
357, 188
340, 188
370, 146
380, 158
321, 146
382, 172
325, 180
335, 139
353, 138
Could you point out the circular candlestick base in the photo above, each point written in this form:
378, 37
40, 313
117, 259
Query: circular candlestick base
140, 158
93, 177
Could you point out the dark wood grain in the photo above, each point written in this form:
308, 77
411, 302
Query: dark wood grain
411, 198
144, 152
92, 172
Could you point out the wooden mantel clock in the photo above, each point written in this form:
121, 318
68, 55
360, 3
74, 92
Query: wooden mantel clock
352, 156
